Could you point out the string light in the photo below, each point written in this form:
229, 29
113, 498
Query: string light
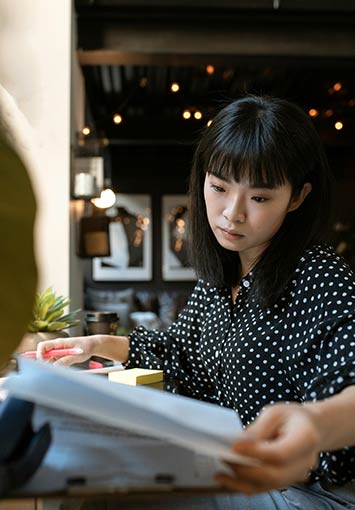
192, 111
313, 112
174, 87
228, 73
117, 118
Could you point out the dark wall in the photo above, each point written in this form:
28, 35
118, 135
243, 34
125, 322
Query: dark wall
151, 169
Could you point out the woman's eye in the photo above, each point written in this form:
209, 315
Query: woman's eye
219, 189
259, 199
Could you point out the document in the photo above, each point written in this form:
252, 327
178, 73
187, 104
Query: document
107, 434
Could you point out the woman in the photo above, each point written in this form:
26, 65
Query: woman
271, 319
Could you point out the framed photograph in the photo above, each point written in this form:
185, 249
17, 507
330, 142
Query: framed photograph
130, 236
175, 265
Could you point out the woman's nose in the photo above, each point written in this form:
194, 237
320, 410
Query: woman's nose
234, 212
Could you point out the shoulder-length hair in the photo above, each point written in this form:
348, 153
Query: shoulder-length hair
269, 140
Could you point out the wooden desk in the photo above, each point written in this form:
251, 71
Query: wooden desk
170, 500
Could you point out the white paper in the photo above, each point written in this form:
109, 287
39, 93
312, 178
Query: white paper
168, 425
84, 454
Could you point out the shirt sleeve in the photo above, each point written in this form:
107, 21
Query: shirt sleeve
335, 367
176, 350
336, 466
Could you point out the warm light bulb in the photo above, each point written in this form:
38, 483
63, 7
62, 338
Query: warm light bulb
174, 87
209, 69
338, 125
186, 114
86, 130
337, 86
117, 118
328, 113
313, 112
209, 123
198, 115
106, 200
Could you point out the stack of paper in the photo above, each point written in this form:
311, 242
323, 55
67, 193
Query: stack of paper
139, 430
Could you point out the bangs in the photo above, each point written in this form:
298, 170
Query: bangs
248, 144
255, 167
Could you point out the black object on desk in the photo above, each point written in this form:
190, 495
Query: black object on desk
21, 448
101, 323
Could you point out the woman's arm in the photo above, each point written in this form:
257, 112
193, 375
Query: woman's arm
335, 419
286, 440
107, 346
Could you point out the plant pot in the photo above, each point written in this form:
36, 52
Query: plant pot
30, 340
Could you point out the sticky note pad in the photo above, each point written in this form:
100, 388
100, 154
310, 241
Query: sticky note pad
137, 376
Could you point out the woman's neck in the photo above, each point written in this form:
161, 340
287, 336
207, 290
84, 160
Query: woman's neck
235, 292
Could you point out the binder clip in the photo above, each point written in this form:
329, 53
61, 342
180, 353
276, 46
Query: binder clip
21, 448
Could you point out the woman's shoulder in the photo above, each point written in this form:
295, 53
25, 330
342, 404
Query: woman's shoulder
205, 286
204, 289
321, 261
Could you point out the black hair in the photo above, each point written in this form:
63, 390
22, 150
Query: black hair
266, 140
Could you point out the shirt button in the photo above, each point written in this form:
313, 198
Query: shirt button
246, 284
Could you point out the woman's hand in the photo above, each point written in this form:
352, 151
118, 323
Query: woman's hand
285, 441
111, 347
85, 344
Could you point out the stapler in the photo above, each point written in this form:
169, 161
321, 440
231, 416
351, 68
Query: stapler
21, 448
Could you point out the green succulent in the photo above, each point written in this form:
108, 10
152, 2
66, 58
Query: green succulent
48, 313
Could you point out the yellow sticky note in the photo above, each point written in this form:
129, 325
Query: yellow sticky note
137, 376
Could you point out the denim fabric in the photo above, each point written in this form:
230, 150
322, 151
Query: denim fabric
298, 497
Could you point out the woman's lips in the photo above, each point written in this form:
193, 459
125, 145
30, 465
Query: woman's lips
231, 234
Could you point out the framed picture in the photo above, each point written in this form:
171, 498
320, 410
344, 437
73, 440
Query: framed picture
175, 265
130, 235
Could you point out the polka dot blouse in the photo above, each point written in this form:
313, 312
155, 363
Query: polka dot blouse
241, 356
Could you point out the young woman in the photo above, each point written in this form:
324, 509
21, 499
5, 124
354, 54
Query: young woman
271, 319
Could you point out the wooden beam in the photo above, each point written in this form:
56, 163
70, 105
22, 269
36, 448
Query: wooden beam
177, 46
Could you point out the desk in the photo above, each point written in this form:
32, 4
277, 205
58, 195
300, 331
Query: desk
172, 500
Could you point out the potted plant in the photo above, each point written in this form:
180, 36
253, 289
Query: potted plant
48, 319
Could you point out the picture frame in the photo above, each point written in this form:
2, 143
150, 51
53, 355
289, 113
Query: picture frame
130, 235
175, 265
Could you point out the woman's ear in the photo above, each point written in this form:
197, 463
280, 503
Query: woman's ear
297, 201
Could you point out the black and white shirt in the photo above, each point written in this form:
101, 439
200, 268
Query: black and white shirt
241, 356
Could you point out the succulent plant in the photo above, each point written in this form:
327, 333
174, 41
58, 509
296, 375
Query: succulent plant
48, 313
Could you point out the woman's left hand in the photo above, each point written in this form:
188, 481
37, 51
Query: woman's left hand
285, 441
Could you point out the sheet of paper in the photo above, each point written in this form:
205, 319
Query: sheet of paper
202, 427
85, 454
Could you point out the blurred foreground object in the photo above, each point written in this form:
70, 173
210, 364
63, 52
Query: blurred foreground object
18, 271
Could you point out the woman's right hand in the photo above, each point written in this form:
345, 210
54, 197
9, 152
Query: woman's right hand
85, 344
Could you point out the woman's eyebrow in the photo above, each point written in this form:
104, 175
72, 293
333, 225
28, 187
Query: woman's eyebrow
254, 185
261, 185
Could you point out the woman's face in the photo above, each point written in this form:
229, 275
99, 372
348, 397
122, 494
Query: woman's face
245, 218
